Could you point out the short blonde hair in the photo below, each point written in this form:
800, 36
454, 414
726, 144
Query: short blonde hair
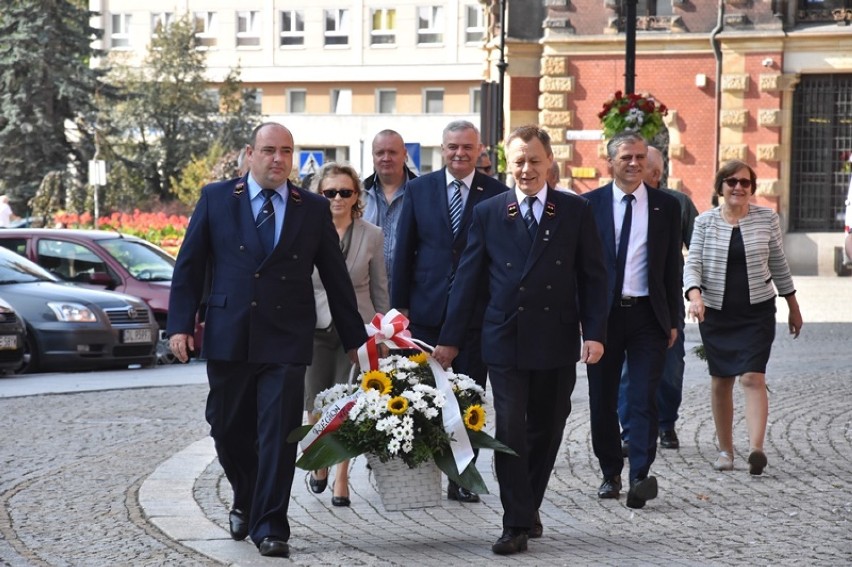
334, 168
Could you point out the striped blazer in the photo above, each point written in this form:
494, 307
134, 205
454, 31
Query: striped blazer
707, 263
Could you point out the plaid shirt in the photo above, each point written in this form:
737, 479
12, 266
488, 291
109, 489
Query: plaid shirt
378, 211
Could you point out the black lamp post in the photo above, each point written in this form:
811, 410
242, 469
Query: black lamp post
501, 67
630, 48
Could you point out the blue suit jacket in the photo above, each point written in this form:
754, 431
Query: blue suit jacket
540, 291
427, 254
665, 259
261, 309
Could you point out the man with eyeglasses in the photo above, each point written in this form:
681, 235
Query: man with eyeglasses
433, 227
639, 227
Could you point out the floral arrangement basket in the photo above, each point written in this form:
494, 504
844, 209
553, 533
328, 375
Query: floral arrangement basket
637, 113
406, 409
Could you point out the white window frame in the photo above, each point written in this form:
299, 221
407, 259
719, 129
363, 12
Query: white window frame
475, 100
250, 37
385, 33
119, 37
474, 23
340, 17
430, 25
161, 20
426, 101
206, 32
340, 101
380, 93
292, 37
291, 102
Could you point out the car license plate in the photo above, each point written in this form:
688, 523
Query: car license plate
8, 342
136, 336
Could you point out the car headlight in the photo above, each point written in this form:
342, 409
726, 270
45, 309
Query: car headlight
72, 312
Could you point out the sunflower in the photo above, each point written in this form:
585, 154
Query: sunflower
397, 405
419, 358
376, 380
474, 417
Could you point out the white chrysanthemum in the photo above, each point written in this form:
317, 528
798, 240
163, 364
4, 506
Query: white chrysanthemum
393, 446
431, 413
407, 447
389, 424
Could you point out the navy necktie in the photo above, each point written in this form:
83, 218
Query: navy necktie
623, 243
529, 217
456, 207
265, 221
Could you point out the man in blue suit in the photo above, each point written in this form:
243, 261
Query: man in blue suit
644, 297
262, 237
541, 255
432, 234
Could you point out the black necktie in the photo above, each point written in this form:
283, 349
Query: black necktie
456, 207
623, 242
265, 221
529, 217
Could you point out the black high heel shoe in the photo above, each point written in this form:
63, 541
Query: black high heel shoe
339, 501
318, 485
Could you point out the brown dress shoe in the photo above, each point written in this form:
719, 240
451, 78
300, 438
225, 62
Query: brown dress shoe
512, 541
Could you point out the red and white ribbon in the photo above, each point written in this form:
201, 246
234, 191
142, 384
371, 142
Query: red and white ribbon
331, 419
390, 329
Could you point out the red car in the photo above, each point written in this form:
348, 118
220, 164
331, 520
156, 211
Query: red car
102, 260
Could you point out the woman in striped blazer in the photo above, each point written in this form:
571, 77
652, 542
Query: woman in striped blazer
736, 262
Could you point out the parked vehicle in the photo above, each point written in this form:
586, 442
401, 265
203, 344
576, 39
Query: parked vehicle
12, 336
101, 259
73, 328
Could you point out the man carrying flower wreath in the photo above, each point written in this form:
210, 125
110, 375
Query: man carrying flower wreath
542, 257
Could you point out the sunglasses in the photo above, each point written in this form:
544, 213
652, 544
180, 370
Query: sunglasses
332, 193
731, 182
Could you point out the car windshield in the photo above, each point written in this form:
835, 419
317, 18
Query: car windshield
143, 261
17, 269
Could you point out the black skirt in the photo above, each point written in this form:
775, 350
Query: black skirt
738, 338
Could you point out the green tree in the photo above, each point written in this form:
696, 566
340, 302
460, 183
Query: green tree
46, 85
165, 115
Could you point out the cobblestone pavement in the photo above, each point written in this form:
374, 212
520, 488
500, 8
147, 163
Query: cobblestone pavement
129, 477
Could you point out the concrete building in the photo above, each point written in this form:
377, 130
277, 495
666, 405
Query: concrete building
335, 72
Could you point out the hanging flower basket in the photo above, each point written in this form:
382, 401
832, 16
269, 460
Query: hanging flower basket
633, 112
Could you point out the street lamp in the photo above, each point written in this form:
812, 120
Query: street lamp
630, 48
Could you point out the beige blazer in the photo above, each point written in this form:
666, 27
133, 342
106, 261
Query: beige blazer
366, 265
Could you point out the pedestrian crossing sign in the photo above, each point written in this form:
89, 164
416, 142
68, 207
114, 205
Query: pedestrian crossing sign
310, 162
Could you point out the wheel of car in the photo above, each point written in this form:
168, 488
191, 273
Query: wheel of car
30, 362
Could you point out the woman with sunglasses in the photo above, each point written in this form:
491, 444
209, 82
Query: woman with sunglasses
362, 245
735, 256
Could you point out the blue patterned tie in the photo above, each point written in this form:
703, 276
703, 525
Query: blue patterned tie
456, 207
265, 221
529, 217
623, 242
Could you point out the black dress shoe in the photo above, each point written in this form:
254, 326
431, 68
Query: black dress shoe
610, 487
238, 521
274, 547
460, 493
537, 529
668, 439
641, 491
512, 541
318, 484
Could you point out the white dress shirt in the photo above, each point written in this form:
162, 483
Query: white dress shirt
636, 266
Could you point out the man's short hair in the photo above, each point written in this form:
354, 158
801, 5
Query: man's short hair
527, 133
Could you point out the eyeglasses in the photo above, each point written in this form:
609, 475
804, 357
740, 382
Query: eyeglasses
332, 193
744, 182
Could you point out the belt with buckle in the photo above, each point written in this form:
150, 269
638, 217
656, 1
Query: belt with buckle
630, 301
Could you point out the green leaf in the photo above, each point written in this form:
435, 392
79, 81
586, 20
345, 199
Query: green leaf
470, 479
299, 433
325, 452
481, 440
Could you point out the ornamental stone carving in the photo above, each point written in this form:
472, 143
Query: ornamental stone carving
602, 150
552, 101
556, 134
734, 118
563, 152
767, 188
734, 82
556, 84
733, 151
769, 117
674, 182
563, 118
676, 151
769, 152
770, 82
554, 66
